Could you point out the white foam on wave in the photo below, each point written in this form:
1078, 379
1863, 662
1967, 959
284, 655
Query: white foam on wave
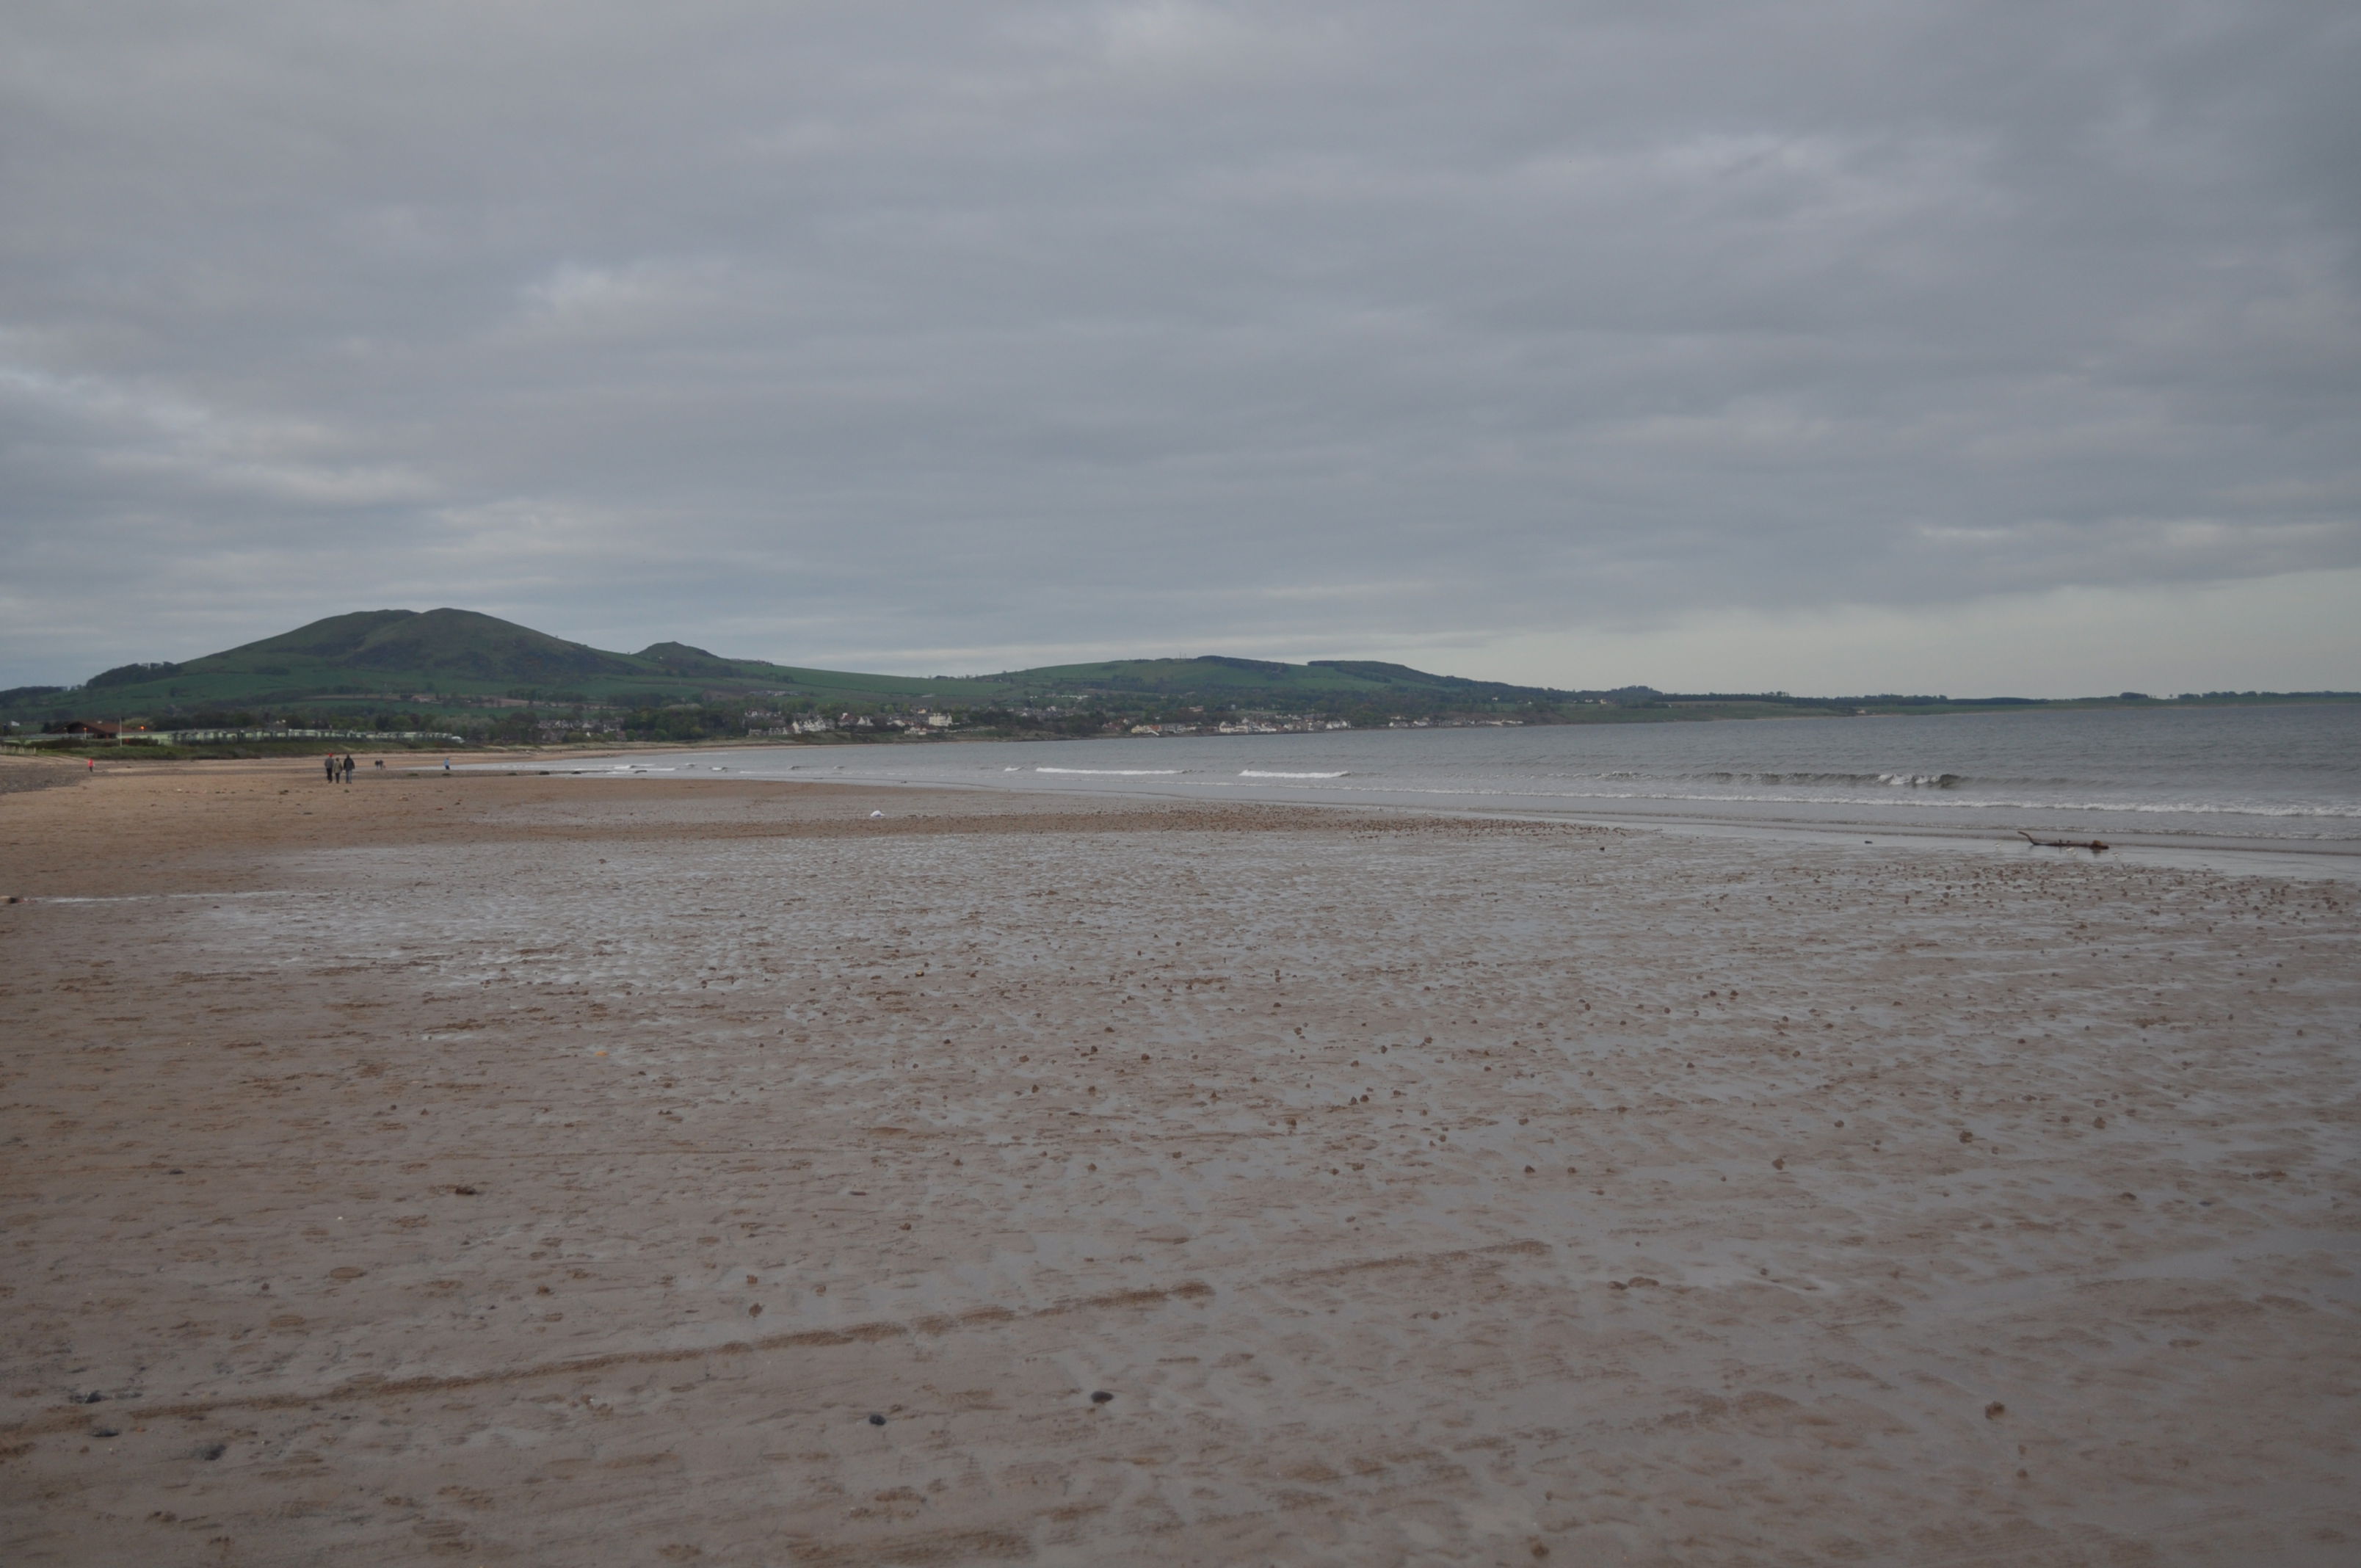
1111, 773
1262, 774
2175, 808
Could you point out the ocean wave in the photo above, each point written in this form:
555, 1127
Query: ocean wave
1791, 779
1891, 781
1262, 774
2167, 808
1111, 773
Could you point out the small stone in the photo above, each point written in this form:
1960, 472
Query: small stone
1100, 1397
1995, 1410
875, 1420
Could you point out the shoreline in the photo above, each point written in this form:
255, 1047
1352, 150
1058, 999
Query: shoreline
2229, 854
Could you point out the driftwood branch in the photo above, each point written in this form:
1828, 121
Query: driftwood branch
2095, 845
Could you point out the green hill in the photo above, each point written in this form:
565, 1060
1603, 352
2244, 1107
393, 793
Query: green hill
1214, 675
456, 643
438, 658
394, 670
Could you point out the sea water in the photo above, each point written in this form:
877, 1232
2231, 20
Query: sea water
2285, 778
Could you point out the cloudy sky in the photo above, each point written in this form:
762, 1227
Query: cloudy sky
1973, 348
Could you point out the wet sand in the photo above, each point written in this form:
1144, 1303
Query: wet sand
543, 1171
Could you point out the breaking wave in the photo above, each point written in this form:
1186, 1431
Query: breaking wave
1851, 780
2162, 807
1111, 773
1264, 773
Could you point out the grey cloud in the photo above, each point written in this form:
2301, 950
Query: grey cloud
892, 334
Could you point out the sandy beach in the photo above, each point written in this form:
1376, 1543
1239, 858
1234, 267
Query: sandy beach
543, 1171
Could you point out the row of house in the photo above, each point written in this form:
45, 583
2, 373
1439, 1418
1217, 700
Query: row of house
1276, 726
820, 723
86, 730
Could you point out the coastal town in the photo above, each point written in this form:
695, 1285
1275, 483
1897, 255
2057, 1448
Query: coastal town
513, 721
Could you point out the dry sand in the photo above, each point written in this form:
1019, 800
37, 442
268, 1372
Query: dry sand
561, 1171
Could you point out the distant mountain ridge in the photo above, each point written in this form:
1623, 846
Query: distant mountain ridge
459, 653
403, 661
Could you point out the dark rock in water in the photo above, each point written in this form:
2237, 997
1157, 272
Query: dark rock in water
875, 1420
1100, 1397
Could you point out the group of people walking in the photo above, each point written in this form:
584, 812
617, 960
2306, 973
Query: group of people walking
340, 767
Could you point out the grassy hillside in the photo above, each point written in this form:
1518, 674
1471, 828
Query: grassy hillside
1213, 676
440, 657
442, 643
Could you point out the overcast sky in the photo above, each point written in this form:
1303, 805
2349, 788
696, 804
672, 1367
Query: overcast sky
1970, 348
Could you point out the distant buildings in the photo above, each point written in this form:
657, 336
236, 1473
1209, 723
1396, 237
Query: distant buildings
781, 726
1250, 724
